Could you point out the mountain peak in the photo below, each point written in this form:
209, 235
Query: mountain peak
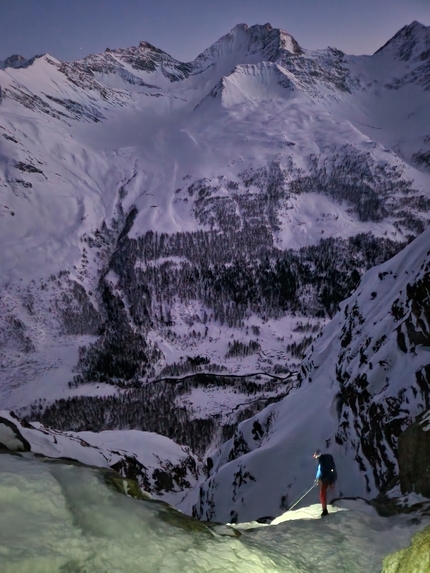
408, 43
415, 25
16, 61
263, 36
249, 44
141, 58
245, 27
147, 46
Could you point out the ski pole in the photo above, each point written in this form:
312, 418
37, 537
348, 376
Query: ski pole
304, 495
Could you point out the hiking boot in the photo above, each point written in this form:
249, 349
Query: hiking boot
324, 512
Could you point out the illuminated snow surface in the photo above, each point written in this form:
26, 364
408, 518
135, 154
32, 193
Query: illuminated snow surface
63, 518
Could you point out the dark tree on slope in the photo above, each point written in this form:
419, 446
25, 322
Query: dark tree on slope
121, 354
234, 274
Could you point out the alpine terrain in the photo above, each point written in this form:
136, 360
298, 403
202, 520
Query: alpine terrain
210, 269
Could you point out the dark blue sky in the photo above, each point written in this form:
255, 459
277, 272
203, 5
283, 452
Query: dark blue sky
70, 29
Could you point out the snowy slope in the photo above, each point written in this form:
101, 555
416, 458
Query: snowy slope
364, 380
56, 516
115, 129
89, 138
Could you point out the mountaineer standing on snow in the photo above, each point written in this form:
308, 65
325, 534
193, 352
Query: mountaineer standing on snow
326, 477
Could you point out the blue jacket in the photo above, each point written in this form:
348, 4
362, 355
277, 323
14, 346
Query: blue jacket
326, 469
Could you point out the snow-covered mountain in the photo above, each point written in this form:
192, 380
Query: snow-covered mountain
175, 235
158, 182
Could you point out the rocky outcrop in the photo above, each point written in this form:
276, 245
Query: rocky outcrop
11, 438
414, 457
413, 559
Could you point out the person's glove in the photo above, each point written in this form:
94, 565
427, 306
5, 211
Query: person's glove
317, 481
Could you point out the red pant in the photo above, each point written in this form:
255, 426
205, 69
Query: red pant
323, 493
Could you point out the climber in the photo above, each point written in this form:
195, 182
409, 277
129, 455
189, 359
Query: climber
326, 477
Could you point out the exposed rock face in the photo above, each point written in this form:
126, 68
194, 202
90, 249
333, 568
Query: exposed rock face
413, 559
11, 438
414, 457
16, 61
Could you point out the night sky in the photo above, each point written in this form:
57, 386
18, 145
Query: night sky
71, 29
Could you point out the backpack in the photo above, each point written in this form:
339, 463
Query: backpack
328, 468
